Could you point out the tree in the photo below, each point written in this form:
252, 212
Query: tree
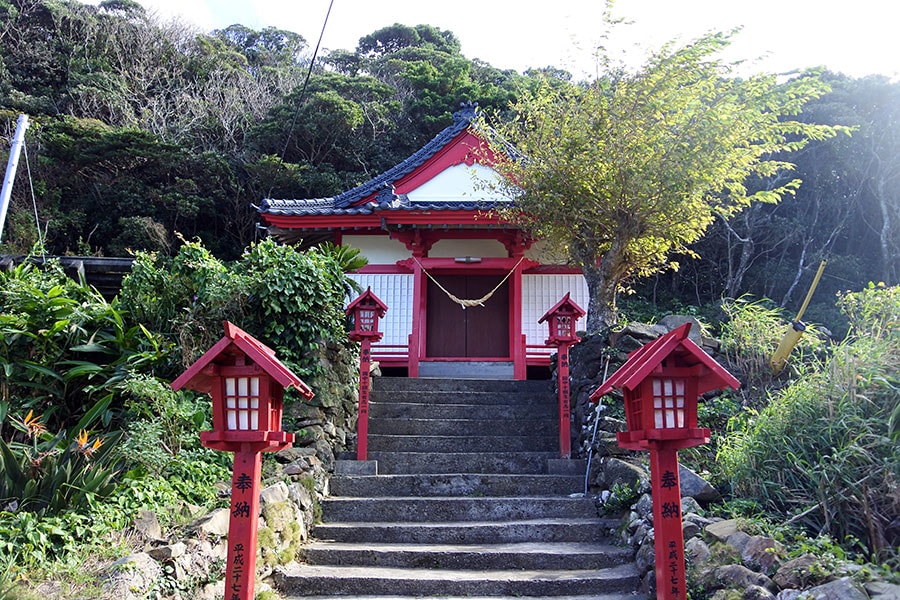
625, 171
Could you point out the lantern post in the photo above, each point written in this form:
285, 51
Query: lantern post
561, 320
365, 311
661, 383
246, 383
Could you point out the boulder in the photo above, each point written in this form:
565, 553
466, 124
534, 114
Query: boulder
615, 471
757, 592
736, 577
796, 573
696, 550
721, 530
695, 486
147, 525
762, 554
215, 523
132, 577
671, 322
844, 588
881, 590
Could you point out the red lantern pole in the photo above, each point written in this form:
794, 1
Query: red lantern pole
668, 534
362, 425
562, 384
240, 576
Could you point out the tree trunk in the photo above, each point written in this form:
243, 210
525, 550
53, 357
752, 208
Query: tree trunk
603, 278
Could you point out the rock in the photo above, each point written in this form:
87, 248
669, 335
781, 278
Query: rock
756, 592
737, 577
645, 558
696, 550
722, 529
695, 486
795, 574
147, 524
671, 322
789, 595
844, 588
169, 552
881, 590
690, 506
689, 529
301, 496
215, 523
274, 493
614, 471
292, 454
132, 577
644, 507
738, 540
761, 554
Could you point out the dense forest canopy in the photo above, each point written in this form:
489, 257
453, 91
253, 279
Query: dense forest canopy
145, 130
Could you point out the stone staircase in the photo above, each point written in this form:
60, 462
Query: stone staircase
469, 500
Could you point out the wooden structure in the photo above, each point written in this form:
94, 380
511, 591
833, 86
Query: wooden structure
433, 239
246, 383
365, 312
561, 320
661, 383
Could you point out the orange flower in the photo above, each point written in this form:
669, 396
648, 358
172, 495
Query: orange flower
34, 426
83, 446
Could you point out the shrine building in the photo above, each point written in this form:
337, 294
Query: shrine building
434, 244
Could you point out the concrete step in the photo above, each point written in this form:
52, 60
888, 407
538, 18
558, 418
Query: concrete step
404, 463
523, 555
418, 510
444, 386
468, 443
613, 596
391, 409
464, 427
463, 532
455, 484
359, 581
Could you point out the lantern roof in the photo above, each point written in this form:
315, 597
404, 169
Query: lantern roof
370, 296
674, 345
198, 378
565, 303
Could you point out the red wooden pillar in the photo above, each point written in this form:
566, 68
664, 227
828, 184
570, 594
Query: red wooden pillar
362, 425
240, 573
668, 533
565, 413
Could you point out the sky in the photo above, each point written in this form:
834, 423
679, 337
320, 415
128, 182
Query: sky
857, 38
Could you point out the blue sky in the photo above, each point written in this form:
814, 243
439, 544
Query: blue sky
858, 38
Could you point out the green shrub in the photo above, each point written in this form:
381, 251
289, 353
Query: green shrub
822, 452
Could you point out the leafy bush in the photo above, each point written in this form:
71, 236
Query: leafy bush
291, 300
823, 452
63, 347
751, 334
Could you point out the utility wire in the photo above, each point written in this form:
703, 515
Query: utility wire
37, 221
301, 98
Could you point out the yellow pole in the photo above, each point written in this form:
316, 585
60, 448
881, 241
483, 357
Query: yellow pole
795, 332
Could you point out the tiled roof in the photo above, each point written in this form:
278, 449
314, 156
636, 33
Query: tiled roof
381, 185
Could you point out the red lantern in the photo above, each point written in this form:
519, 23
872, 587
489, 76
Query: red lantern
561, 320
365, 311
661, 382
247, 385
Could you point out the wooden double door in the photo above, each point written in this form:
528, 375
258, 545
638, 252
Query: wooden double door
476, 332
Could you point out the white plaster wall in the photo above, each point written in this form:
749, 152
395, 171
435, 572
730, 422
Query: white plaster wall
379, 249
459, 183
476, 248
540, 293
396, 291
